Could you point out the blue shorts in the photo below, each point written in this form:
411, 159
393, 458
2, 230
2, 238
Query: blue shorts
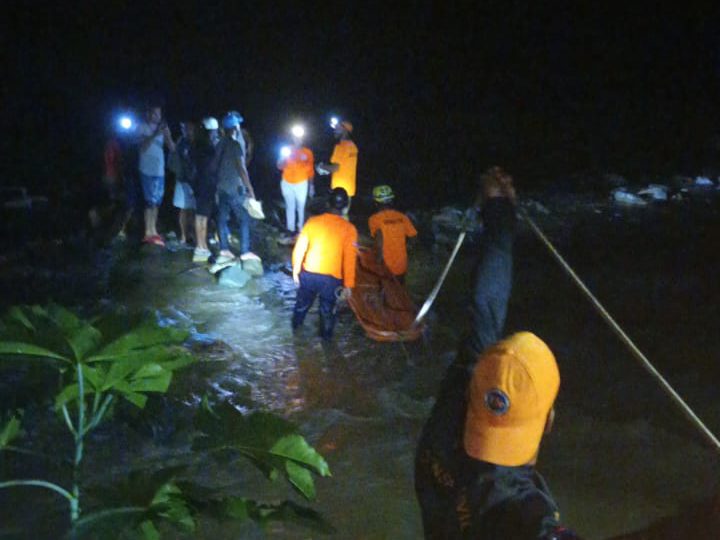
153, 189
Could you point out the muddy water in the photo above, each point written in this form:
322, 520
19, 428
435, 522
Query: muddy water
620, 455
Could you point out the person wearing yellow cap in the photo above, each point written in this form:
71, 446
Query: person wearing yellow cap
390, 228
475, 473
343, 162
324, 263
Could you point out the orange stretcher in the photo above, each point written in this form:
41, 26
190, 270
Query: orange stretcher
381, 303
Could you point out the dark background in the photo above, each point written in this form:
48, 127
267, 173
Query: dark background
437, 90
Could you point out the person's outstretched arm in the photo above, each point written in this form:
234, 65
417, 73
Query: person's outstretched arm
492, 279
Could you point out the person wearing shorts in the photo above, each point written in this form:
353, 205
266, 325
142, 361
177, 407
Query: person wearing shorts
155, 137
204, 184
182, 165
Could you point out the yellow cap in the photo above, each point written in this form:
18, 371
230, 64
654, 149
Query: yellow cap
347, 126
512, 391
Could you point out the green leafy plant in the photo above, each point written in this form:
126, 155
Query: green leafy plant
101, 362
95, 370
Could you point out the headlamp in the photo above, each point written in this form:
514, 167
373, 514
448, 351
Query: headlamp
297, 131
334, 121
125, 122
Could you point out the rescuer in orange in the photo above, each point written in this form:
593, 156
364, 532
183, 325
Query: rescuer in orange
297, 165
390, 229
343, 162
324, 263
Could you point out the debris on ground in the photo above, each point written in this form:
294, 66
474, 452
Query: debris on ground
623, 196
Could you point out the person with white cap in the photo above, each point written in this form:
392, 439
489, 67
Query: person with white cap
475, 473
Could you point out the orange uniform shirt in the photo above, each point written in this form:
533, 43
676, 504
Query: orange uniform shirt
345, 154
395, 228
299, 166
327, 245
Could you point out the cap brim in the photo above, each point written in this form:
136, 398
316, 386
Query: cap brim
510, 446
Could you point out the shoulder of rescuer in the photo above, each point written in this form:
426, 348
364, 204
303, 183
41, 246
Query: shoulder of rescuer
327, 245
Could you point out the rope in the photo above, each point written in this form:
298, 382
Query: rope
430, 299
684, 407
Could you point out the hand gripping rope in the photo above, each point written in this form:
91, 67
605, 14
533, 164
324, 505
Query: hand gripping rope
684, 407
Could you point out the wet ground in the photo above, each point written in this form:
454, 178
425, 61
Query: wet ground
620, 456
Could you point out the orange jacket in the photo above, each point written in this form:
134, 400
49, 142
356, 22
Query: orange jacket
327, 245
299, 166
345, 154
395, 228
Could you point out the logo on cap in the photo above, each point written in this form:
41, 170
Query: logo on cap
497, 401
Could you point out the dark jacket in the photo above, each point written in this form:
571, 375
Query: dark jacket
461, 497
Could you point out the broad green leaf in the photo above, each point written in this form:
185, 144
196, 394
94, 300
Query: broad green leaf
28, 349
136, 399
148, 530
68, 394
93, 377
241, 508
151, 378
9, 431
236, 508
81, 336
16, 313
301, 478
268, 441
138, 488
295, 447
84, 340
71, 393
170, 504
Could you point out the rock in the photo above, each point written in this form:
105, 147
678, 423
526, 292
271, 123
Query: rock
655, 192
253, 267
233, 276
703, 181
621, 195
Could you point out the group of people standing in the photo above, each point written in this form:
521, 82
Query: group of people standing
297, 166
209, 162
475, 473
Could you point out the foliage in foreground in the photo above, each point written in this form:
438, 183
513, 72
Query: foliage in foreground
98, 366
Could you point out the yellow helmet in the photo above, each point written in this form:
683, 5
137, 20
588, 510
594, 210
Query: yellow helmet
383, 194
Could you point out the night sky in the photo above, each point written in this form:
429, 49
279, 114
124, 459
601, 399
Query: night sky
437, 90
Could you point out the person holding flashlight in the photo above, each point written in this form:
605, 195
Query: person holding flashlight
343, 162
297, 165
155, 136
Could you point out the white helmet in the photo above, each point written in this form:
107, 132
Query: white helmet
210, 123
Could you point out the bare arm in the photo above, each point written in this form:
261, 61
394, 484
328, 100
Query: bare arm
244, 176
298, 255
167, 136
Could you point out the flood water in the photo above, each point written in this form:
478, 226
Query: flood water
620, 455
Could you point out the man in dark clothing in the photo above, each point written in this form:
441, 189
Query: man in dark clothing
233, 188
474, 469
